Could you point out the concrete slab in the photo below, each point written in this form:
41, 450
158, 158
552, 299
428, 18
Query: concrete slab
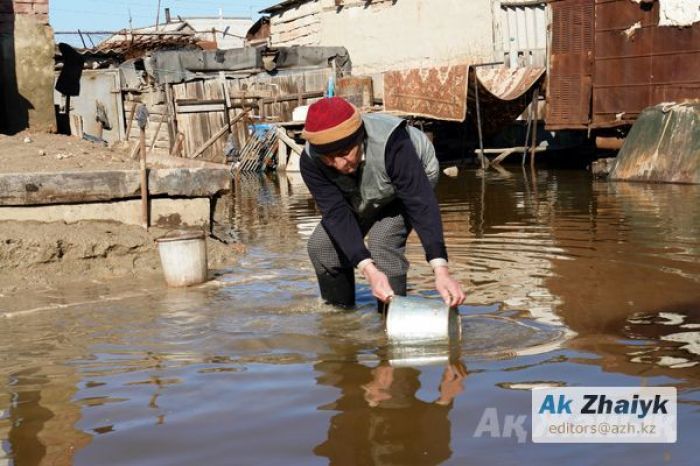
163, 212
26, 189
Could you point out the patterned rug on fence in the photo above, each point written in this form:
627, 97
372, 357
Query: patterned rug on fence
439, 93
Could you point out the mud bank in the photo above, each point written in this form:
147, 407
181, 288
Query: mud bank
39, 255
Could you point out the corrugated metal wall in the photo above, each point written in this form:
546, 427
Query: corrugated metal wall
524, 27
610, 59
638, 63
570, 64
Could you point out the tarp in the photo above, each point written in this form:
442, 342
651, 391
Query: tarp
663, 145
176, 66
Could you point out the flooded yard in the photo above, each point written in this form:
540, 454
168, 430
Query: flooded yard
570, 282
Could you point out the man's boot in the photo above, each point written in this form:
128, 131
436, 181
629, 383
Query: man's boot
338, 289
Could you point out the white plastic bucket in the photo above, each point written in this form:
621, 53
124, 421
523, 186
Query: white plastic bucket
411, 318
183, 255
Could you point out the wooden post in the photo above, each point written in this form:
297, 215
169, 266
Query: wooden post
142, 118
227, 103
172, 120
535, 104
261, 109
177, 148
155, 135
131, 120
281, 155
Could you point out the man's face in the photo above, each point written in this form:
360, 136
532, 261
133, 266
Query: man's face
346, 162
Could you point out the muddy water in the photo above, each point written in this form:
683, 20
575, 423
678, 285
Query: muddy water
571, 282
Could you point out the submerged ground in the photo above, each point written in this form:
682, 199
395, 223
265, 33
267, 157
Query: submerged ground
571, 282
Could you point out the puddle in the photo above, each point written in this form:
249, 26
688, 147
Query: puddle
570, 282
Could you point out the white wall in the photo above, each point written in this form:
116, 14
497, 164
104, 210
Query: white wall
393, 34
386, 34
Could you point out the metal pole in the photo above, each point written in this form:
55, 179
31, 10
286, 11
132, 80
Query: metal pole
142, 119
82, 39
527, 135
158, 15
478, 121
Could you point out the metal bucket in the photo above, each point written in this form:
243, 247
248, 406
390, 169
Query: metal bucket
416, 355
183, 255
414, 318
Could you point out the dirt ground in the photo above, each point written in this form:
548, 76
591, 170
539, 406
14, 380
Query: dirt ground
36, 255
39, 152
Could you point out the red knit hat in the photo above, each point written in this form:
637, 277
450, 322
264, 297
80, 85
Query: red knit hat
332, 124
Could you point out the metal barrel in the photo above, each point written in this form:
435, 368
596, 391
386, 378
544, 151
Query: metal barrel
413, 318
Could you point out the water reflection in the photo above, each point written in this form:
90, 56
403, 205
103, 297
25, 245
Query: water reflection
37, 425
380, 417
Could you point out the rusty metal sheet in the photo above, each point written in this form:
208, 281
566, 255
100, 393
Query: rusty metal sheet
439, 93
638, 63
569, 82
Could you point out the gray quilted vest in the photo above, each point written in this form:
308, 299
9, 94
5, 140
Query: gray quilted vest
370, 188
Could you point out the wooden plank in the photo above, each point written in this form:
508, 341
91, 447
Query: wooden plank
282, 134
204, 108
216, 136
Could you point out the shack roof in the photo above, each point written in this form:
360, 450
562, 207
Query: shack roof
281, 6
183, 32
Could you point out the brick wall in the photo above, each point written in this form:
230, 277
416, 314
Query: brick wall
39, 9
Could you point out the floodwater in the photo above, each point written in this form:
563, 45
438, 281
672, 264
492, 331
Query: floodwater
571, 282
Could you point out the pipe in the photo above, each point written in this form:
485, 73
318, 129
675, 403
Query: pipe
609, 142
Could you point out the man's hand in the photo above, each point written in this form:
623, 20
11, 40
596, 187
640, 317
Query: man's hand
379, 389
378, 282
448, 287
452, 383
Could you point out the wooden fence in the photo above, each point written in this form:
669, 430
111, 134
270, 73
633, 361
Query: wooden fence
204, 107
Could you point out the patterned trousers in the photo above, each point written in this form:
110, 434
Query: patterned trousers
386, 240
